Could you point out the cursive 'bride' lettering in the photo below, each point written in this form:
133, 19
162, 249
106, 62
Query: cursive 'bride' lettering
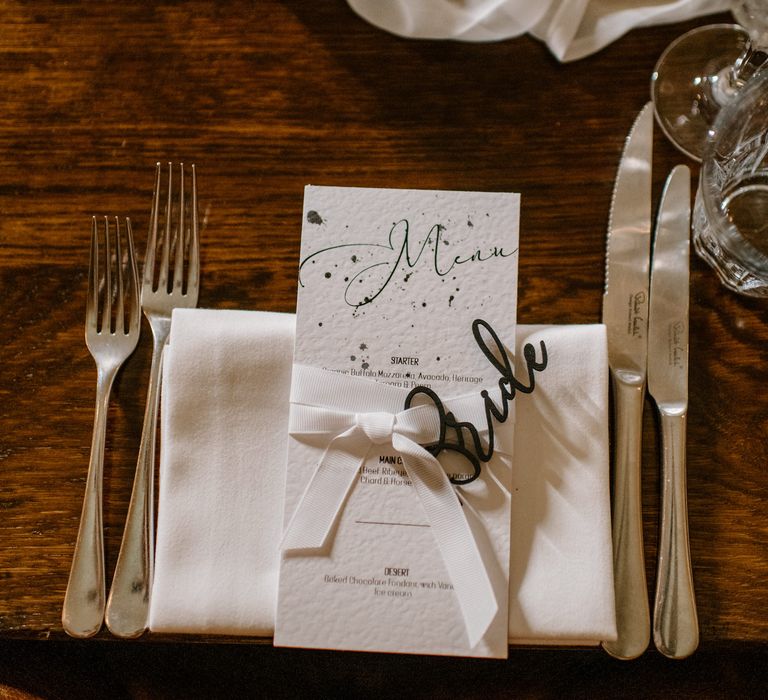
509, 385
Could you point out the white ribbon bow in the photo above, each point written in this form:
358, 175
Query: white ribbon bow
351, 434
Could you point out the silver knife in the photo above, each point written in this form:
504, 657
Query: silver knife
625, 314
675, 624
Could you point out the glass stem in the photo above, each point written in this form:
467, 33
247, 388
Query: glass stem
731, 79
752, 59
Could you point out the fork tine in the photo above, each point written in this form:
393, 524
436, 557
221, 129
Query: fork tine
178, 266
149, 258
106, 316
194, 245
162, 283
134, 314
92, 302
120, 315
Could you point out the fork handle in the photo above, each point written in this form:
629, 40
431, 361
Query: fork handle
128, 605
83, 611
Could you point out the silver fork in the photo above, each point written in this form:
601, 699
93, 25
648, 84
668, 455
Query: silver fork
113, 293
161, 292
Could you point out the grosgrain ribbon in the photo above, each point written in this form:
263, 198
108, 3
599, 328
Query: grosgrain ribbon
370, 414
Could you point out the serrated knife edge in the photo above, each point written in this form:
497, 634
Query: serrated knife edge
625, 299
643, 121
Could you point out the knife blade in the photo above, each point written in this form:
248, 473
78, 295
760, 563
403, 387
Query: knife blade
675, 623
625, 314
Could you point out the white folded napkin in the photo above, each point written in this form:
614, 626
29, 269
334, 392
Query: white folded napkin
571, 29
226, 381
561, 566
223, 441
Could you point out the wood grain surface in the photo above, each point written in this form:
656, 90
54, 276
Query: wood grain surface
266, 97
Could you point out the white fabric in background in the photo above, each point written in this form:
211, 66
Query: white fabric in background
571, 29
223, 443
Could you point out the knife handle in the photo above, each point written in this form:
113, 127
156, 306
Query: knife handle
633, 620
675, 623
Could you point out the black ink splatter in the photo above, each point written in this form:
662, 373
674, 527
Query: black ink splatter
352, 358
327, 275
450, 300
314, 218
354, 258
363, 346
365, 365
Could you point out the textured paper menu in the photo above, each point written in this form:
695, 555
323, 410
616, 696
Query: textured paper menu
390, 284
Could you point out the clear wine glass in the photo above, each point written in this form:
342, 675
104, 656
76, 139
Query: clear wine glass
701, 71
730, 219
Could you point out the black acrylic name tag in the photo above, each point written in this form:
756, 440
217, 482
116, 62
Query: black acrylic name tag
464, 436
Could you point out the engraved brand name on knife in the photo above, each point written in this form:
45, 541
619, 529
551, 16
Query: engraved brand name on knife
637, 316
676, 346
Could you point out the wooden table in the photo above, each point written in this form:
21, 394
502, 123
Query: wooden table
265, 98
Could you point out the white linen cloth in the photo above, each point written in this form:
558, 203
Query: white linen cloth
226, 382
223, 441
571, 29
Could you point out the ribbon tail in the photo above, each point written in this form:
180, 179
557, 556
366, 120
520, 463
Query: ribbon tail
455, 540
322, 500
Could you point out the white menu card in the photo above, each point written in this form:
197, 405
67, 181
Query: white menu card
392, 284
